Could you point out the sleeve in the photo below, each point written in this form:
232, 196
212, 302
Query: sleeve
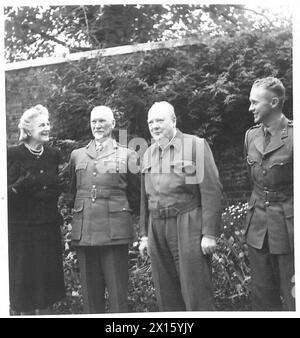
144, 213
63, 172
133, 183
13, 173
246, 156
70, 177
60, 159
211, 195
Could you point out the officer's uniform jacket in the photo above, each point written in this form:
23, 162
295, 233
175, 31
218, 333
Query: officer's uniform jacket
183, 177
271, 202
105, 193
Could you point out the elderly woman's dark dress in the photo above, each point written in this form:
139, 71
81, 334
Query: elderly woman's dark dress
35, 247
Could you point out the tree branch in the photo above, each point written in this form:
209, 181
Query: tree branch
253, 11
60, 42
86, 21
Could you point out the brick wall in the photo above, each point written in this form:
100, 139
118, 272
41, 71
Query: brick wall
24, 88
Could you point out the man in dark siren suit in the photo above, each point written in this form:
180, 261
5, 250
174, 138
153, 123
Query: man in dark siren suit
180, 213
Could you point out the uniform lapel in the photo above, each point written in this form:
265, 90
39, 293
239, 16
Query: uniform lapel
91, 149
259, 140
109, 148
277, 140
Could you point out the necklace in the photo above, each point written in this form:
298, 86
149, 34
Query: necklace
37, 153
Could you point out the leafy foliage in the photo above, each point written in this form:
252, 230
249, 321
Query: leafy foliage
208, 84
32, 32
231, 272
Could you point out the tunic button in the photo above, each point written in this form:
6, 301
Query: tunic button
41, 171
267, 203
95, 162
94, 186
264, 172
93, 200
44, 187
94, 173
124, 209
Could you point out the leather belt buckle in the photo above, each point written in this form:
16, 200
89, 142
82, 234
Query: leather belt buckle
168, 212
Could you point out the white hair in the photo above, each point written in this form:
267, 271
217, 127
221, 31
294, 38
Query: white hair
25, 124
105, 110
164, 105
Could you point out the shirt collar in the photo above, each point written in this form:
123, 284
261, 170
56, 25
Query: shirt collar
176, 142
169, 143
100, 145
275, 126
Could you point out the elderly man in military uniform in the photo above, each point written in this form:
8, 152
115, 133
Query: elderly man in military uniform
269, 223
105, 194
180, 213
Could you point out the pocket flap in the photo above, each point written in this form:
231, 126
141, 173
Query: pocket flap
280, 163
81, 166
118, 205
184, 166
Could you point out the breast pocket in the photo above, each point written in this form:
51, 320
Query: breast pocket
80, 170
281, 171
116, 167
184, 172
255, 166
183, 167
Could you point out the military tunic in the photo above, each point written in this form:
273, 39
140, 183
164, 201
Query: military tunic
180, 202
269, 223
105, 194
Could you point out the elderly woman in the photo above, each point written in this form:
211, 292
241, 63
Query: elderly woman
35, 253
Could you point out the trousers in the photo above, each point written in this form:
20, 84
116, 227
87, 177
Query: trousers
272, 277
104, 267
181, 273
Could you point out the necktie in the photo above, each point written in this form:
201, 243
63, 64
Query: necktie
99, 147
267, 138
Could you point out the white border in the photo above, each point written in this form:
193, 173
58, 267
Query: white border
3, 207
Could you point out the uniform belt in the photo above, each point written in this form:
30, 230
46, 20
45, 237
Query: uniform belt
273, 196
99, 192
175, 209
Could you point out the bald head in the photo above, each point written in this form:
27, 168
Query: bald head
102, 122
163, 108
162, 121
102, 111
